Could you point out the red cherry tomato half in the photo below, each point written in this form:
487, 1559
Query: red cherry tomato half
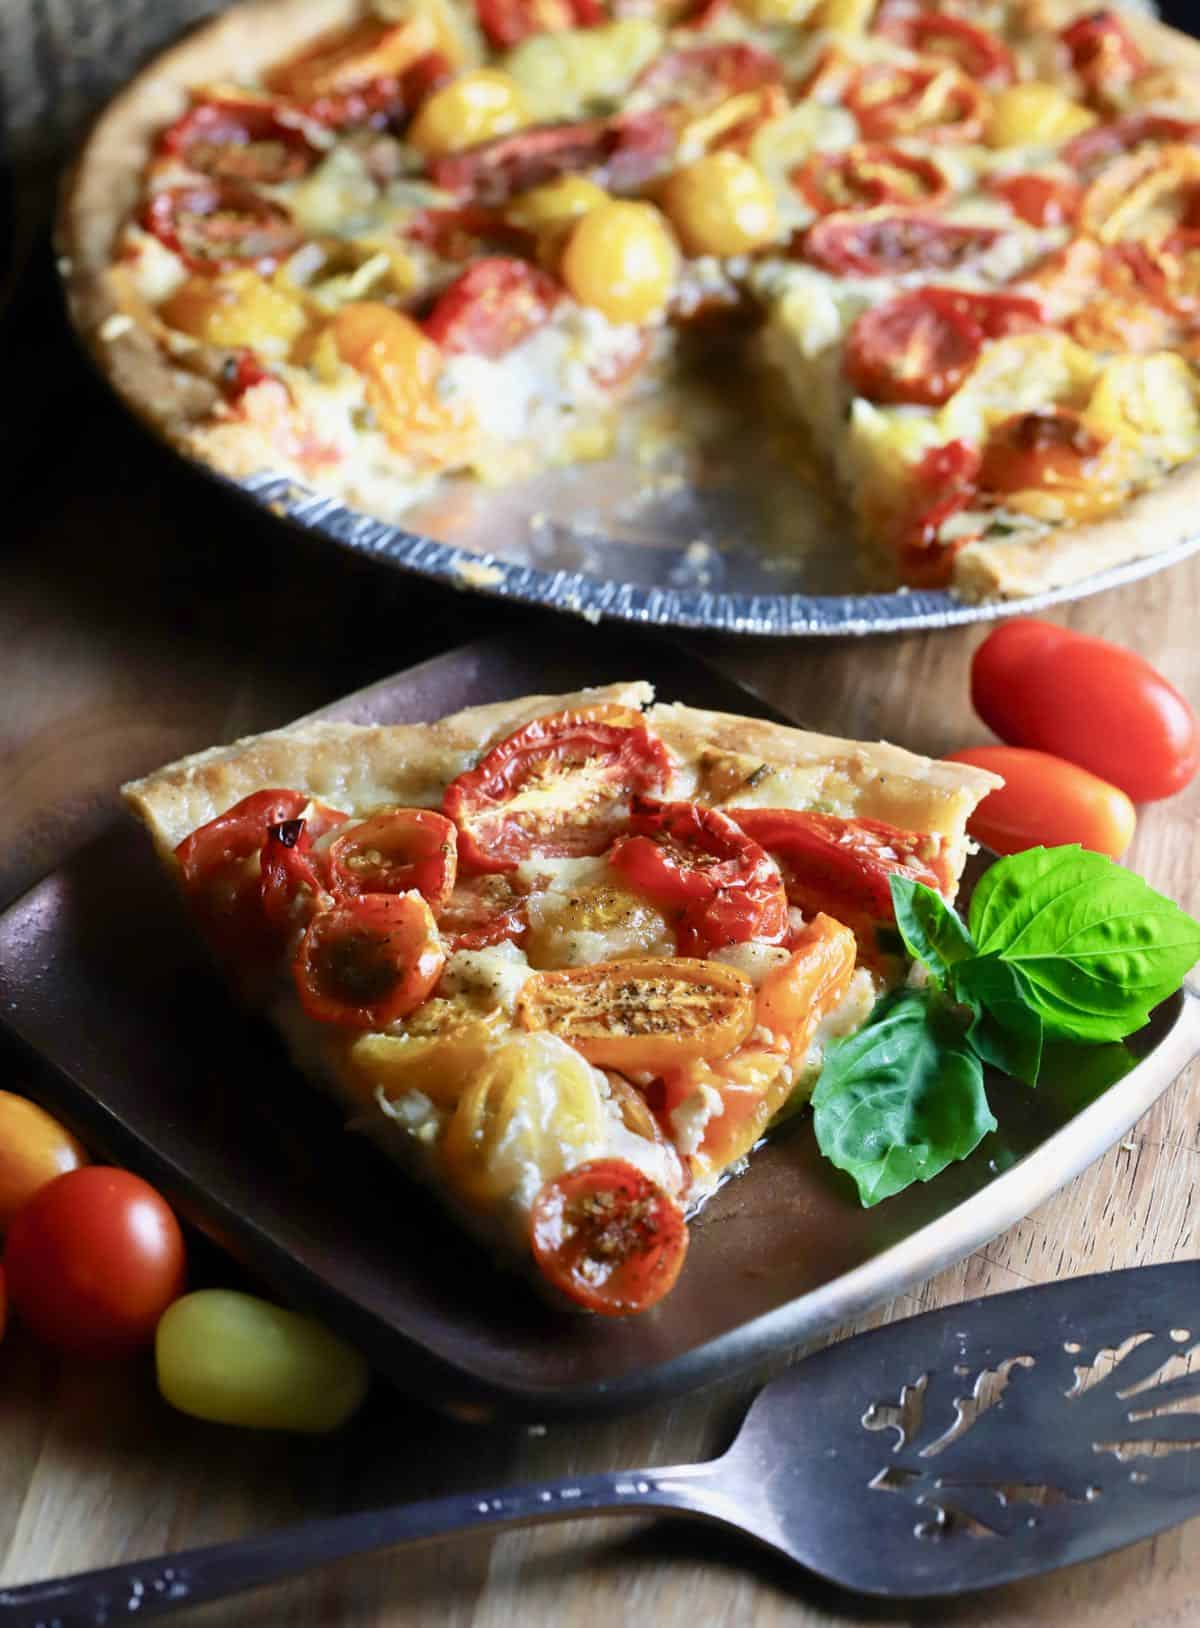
292, 875
217, 225
491, 307
1040, 200
866, 176
709, 73
508, 22
482, 910
934, 103
246, 142
1046, 801
891, 243
608, 1237
221, 874
1098, 704
562, 786
919, 347
699, 864
944, 482
93, 1260
620, 153
407, 850
841, 866
457, 234
1103, 52
368, 961
979, 54
1092, 148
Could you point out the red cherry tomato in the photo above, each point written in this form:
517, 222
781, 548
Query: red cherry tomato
220, 870
608, 1237
491, 307
709, 73
1103, 52
842, 867
926, 101
1046, 801
482, 910
1096, 703
867, 176
355, 75
508, 22
935, 34
93, 1260
944, 482
409, 849
1040, 200
247, 142
891, 243
919, 347
293, 877
620, 152
367, 961
699, 864
217, 225
562, 786
1092, 148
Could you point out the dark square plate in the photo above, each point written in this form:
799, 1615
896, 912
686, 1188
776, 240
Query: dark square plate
101, 979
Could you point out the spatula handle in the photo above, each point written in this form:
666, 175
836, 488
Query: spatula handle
148, 1588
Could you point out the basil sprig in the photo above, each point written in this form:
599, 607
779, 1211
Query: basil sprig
1059, 945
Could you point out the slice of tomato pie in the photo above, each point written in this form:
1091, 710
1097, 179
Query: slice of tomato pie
565, 957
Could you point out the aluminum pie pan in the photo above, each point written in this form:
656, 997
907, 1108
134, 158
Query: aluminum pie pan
673, 601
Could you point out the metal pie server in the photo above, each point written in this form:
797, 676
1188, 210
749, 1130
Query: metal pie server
966, 1447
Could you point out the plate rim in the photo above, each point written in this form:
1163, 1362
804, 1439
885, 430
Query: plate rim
975, 1220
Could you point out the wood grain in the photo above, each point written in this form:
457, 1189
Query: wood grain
142, 616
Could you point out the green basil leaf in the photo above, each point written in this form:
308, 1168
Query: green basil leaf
931, 931
901, 1099
1098, 947
1007, 1031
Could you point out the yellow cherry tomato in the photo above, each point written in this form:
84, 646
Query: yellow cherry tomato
400, 367
621, 259
555, 203
1034, 114
234, 1359
721, 204
34, 1148
236, 307
472, 108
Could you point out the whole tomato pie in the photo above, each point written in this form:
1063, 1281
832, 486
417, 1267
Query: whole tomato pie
374, 246
566, 958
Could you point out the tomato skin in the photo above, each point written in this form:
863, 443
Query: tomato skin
1103, 52
93, 1260
874, 245
219, 225
976, 51
608, 1237
410, 849
619, 152
918, 347
1095, 703
891, 100
1046, 802
246, 143
1096, 146
867, 176
368, 961
219, 867
492, 307
1040, 200
34, 1149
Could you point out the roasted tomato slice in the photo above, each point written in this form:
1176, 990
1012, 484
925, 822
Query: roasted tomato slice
561, 786
1040, 200
696, 862
356, 76
842, 866
294, 878
508, 22
866, 176
458, 234
219, 866
1051, 447
702, 74
491, 307
405, 850
367, 961
891, 243
608, 1237
944, 482
243, 142
620, 152
1144, 195
1096, 146
978, 53
1103, 53
215, 226
919, 347
482, 910
925, 100
648, 1014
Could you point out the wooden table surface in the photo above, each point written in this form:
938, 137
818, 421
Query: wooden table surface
142, 616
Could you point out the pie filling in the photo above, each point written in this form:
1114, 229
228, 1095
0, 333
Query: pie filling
966, 240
